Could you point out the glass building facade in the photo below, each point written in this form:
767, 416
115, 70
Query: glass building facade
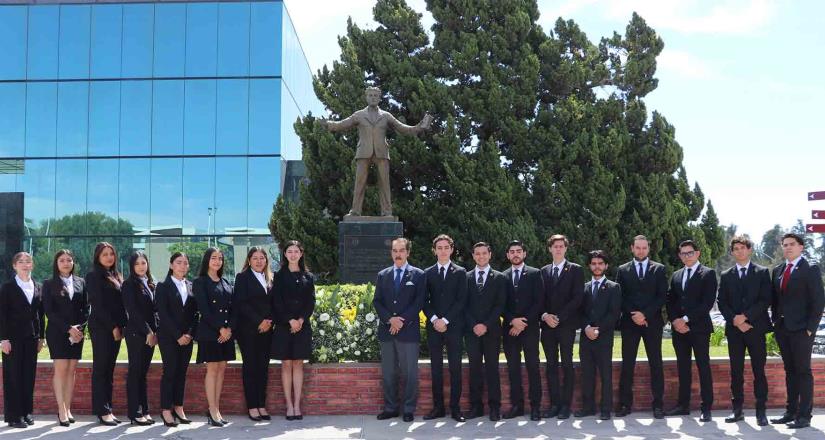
160, 126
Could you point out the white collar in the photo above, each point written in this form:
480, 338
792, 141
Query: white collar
446, 265
519, 268
599, 280
68, 279
560, 265
485, 269
794, 262
747, 265
24, 284
644, 262
693, 268
403, 268
179, 283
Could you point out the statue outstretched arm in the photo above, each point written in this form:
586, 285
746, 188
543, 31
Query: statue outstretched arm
342, 125
411, 129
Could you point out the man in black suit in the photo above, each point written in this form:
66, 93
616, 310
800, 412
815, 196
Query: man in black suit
689, 300
399, 297
644, 288
798, 301
601, 309
744, 297
563, 294
446, 296
486, 295
522, 317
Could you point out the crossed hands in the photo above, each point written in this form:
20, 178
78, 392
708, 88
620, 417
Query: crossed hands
591, 332
224, 334
518, 325
264, 326
396, 323
479, 330
740, 322
551, 320
185, 339
638, 318
680, 326
295, 325
75, 334
439, 325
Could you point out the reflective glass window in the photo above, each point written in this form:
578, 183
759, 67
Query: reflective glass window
264, 39
75, 25
290, 143
230, 194
107, 30
72, 118
232, 131
233, 39
170, 39
167, 193
41, 118
42, 42
264, 185
264, 116
103, 194
13, 42
38, 204
137, 40
12, 119
199, 194
104, 118
199, 119
135, 117
134, 191
201, 39
8, 182
167, 117
70, 176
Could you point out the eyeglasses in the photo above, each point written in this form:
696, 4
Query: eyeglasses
687, 254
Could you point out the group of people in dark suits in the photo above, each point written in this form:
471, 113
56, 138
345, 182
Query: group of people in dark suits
475, 311
268, 315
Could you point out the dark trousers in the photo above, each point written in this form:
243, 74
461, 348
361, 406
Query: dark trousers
754, 341
104, 357
652, 337
436, 342
19, 369
399, 356
597, 355
255, 370
173, 381
699, 345
527, 342
140, 357
482, 353
795, 348
558, 342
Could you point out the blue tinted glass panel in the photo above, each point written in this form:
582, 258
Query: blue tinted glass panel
75, 25
137, 40
135, 117
264, 185
233, 39
8, 182
104, 118
70, 175
12, 119
290, 146
167, 117
170, 39
232, 134
201, 39
13, 42
265, 39
107, 30
199, 119
38, 183
167, 193
264, 116
72, 118
199, 194
41, 119
103, 187
134, 192
43, 39
230, 194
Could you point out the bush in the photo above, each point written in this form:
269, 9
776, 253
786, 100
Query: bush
344, 324
718, 336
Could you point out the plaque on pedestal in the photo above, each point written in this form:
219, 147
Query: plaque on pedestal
364, 245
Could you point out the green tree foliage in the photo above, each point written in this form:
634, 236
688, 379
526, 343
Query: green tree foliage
536, 132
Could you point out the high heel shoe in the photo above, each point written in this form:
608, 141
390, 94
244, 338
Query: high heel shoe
298, 417
116, 419
62, 423
105, 422
180, 419
149, 419
139, 422
266, 417
213, 422
171, 424
255, 418
71, 419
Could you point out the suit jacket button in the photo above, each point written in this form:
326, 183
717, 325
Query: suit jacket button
214, 301
395, 302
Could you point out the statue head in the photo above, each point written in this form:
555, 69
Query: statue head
373, 96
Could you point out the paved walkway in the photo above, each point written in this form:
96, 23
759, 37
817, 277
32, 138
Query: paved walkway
367, 427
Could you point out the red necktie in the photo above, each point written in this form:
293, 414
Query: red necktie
786, 277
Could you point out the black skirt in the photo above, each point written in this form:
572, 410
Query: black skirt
213, 351
59, 346
289, 346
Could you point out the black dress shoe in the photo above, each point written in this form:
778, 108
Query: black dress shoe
254, 418
495, 415
761, 418
387, 415
735, 416
605, 415
515, 411
535, 414
474, 413
28, 419
184, 420
623, 411
62, 423
408, 417
564, 413
678, 411
209, 420
435, 413
799, 424
20, 424
658, 413
552, 412
116, 419
71, 420
135, 421
106, 422
457, 416
266, 417
584, 413
785, 418
705, 416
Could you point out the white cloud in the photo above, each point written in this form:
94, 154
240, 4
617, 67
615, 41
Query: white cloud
684, 64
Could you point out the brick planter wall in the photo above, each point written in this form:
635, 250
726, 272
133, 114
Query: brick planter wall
355, 388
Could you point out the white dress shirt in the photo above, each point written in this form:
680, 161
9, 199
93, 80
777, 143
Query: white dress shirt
261, 279
685, 280
645, 264
181, 285
27, 287
69, 283
520, 269
486, 274
739, 268
446, 267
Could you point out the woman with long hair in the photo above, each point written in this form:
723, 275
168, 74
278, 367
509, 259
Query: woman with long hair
21, 338
215, 344
106, 322
177, 320
252, 303
293, 303
141, 335
67, 308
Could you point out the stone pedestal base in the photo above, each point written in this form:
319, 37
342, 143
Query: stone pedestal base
364, 245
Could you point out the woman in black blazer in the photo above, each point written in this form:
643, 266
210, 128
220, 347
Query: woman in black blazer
141, 337
67, 309
293, 303
106, 322
177, 320
252, 304
21, 338
215, 344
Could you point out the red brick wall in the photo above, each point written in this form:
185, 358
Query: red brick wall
355, 388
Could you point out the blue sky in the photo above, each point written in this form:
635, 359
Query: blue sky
741, 80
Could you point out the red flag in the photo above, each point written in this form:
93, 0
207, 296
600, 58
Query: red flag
815, 228
818, 215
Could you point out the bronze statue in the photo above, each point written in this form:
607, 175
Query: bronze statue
372, 125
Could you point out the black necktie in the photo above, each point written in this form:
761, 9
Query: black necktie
555, 274
687, 280
742, 272
641, 271
595, 289
480, 281
516, 277
441, 272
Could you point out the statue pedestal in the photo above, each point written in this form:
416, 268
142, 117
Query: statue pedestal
364, 245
